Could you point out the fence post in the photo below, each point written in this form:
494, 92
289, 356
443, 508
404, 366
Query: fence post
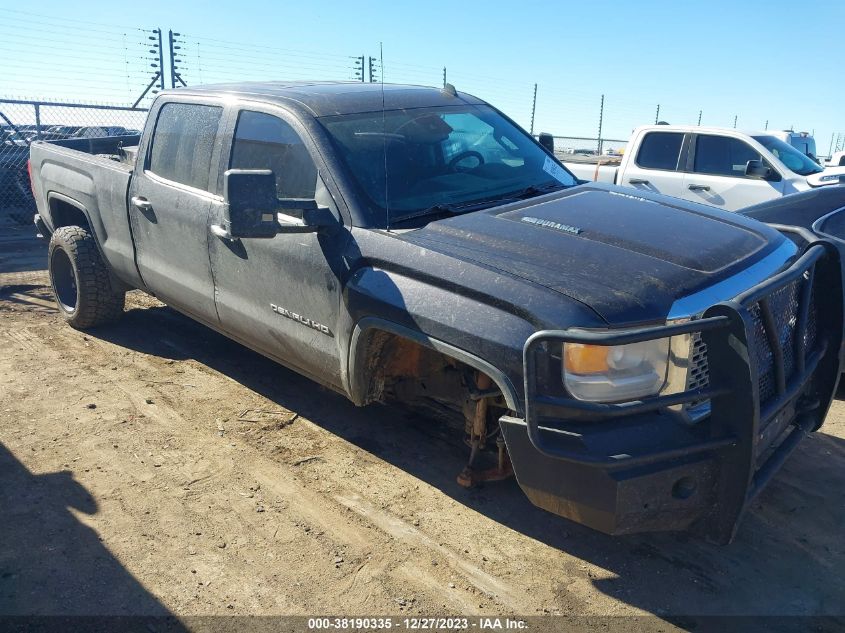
172, 62
160, 60
601, 120
38, 121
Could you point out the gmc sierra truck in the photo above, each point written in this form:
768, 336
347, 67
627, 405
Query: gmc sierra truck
638, 362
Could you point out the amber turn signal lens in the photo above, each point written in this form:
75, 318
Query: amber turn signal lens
585, 359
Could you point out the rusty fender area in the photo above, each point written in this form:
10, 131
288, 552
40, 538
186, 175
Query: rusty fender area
403, 371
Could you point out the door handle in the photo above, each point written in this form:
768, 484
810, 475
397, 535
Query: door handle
637, 181
699, 188
221, 232
141, 203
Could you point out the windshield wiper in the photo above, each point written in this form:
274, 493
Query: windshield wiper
528, 192
444, 209
536, 190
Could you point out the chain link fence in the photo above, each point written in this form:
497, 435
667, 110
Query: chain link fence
586, 148
22, 122
569, 146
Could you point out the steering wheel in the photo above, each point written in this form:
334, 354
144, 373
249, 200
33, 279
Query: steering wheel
454, 164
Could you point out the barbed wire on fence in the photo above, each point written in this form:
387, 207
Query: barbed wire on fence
72, 59
82, 59
95, 65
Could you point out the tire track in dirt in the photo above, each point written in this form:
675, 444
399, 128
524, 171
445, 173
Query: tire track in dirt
358, 485
331, 517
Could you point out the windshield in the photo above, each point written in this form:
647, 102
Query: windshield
436, 157
789, 156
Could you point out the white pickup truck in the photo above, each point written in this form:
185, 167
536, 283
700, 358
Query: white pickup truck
721, 167
837, 160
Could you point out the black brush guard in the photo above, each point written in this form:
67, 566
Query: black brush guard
700, 476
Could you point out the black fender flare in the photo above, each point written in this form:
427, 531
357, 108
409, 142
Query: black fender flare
357, 377
92, 227
55, 195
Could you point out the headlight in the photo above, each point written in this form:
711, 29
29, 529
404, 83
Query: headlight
614, 373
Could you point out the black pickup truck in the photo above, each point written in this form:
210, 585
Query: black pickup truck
638, 362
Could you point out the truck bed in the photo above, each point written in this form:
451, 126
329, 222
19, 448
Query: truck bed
592, 168
116, 148
91, 175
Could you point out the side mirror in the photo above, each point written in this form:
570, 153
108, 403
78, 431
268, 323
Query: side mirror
251, 202
757, 169
253, 209
314, 217
547, 141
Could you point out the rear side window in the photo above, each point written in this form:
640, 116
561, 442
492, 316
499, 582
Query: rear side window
660, 150
183, 141
264, 141
722, 156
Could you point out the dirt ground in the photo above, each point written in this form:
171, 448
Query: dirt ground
155, 467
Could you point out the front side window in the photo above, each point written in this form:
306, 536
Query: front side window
183, 141
410, 161
793, 159
722, 156
472, 141
660, 150
264, 141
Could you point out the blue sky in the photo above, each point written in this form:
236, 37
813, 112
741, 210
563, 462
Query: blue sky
774, 61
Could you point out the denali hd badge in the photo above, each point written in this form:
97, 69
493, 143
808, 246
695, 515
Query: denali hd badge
549, 224
301, 319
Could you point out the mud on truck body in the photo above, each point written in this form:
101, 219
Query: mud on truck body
638, 362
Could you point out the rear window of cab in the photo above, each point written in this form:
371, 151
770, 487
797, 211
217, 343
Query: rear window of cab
660, 150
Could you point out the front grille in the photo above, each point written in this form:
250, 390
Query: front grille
699, 372
784, 307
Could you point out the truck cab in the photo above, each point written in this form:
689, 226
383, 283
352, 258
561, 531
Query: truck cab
724, 168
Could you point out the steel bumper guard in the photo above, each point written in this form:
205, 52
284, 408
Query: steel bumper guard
636, 466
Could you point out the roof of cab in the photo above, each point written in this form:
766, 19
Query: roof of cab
325, 98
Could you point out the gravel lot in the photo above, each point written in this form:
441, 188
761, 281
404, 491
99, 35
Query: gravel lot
155, 467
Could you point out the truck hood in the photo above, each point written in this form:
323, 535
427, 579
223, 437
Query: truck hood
830, 176
630, 257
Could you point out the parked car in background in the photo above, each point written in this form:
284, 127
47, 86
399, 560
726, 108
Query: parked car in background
98, 131
837, 160
803, 209
817, 209
56, 132
16, 199
12, 137
721, 167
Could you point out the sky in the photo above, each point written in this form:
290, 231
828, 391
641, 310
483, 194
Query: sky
775, 63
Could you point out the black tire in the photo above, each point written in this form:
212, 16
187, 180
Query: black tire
81, 282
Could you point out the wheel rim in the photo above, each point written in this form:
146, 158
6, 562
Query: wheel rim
64, 280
